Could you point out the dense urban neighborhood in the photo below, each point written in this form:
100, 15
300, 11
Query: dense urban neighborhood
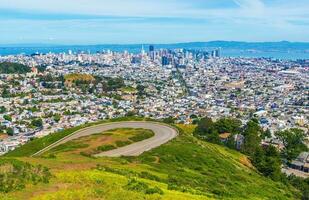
45, 93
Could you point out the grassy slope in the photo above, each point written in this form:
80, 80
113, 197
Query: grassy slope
15, 175
185, 168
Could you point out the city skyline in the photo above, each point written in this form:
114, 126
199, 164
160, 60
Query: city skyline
135, 21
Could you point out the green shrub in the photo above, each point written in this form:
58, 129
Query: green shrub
149, 176
106, 147
155, 190
142, 136
142, 187
122, 143
135, 185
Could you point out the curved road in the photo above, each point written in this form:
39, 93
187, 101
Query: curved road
162, 134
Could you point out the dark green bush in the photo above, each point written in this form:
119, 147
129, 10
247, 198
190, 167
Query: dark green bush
155, 190
138, 186
106, 147
122, 143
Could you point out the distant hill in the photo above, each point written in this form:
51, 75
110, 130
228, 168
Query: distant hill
185, 168
283, 45
13, 68
218, 43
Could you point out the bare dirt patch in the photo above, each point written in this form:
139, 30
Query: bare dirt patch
246, 162
3, 136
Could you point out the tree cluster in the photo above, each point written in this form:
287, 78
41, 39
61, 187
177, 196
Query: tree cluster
266, 159
13, 68
209, 130
37, 122
293, 141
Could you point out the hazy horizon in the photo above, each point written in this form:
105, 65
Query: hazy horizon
141, 43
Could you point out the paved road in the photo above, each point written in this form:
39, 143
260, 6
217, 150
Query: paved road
163, 133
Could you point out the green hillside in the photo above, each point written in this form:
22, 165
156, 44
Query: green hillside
13, 68
15, 175
185, 168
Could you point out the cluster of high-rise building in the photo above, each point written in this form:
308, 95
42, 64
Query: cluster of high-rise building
174, 57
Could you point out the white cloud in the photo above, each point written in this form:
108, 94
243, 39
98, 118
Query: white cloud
261, 9
251, 4
251, 7
262, 17
97, 7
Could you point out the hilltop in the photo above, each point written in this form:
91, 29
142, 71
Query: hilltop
185, 168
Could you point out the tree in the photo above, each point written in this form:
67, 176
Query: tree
2, 109
115, 83
193, 116
206, 130
267, 161
10, 131
293, 141
7, 117
5, 93
57, 118
26, 101
91, 90
252, 140
272, 162
266, 134
169, 120
231, 143
37, 122
230, 125
41, 68
140, 90
13, 68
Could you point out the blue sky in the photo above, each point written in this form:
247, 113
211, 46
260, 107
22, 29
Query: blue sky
151, 21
